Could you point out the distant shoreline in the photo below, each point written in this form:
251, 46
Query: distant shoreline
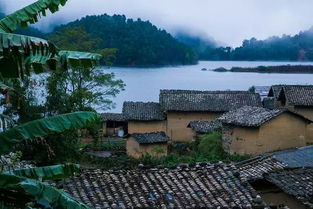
292, 69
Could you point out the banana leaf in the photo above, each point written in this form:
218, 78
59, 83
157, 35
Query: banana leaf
44, 127
4, 88
29, 14
40, 191
19, 54
55, 172
5, 122
77, 59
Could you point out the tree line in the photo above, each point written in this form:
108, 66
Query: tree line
286, 48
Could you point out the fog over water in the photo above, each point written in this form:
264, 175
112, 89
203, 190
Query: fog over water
227, 21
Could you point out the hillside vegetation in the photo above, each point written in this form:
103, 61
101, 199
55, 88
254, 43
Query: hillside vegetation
289, 48
137, 42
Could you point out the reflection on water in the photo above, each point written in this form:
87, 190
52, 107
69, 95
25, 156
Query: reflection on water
143, 84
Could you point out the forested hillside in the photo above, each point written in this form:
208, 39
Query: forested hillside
137, 42
293, 48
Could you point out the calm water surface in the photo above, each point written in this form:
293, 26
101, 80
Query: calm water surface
144, 84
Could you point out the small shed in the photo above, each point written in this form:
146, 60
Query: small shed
144, 117
204, 127
114, 124
154, 144
256, 130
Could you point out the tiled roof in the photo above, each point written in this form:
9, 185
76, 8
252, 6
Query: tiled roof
187, 186
255, 168
297, 95
253, 116
299, 157
112, 117
249, 116
141, 111
151, 138
274, 91
212, 101
205, 126
297, 182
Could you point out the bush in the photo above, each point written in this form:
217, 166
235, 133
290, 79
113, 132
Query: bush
210, 146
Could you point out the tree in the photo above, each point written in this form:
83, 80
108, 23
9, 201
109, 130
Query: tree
19, 56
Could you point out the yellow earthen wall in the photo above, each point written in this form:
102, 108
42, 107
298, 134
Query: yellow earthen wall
283, 132
146, 126
136, 150
177, 123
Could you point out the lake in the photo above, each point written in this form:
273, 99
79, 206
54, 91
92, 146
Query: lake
144, 84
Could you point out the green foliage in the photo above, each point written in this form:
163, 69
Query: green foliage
138, 42
55, 172
292, 48
29, 14
40, 191
44, 127
82, 89
210, 146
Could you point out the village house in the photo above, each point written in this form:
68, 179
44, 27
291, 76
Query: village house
184, 106
256, 130
201, 185
153, 144
204, 127
284, 177
113, 124
298, 98
144, 117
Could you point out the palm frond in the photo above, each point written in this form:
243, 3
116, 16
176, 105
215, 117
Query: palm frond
54, 172
40, 191
29, 14
43, 127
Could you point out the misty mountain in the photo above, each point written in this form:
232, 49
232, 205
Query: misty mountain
285, 48
138, 42
197, 42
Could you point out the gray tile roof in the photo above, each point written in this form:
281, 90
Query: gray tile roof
205, 126
255, 168
253, 116
297, 95
299, 157
112, 117
149, 111
151, 138
274, 91
201, 185
249, 116
210, 101
296, 182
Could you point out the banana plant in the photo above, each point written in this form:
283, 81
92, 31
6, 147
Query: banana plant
20, 56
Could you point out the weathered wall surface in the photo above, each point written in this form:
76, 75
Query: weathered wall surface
241, 141
133, 148
136, 150
139, 127
308, 113
283, 132
305, 111
177, 123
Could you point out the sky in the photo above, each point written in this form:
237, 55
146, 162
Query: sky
227, 21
